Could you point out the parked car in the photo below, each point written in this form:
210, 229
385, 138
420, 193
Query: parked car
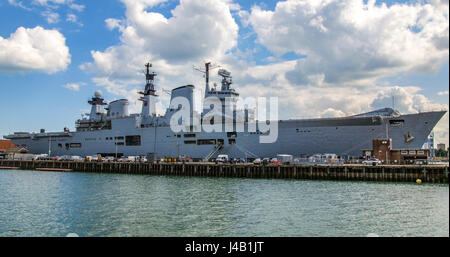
127, 159
41, 157
275, 161
108, 159
297, 161
184, 158
64, 158
257, 161
142, 159
92, 158
420, 162
265, 161
239, 160
373, 161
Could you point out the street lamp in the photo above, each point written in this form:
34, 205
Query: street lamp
115, 142
49, 145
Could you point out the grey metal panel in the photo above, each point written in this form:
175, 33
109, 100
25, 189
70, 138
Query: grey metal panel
343, 140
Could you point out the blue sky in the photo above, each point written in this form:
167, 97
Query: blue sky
247, 37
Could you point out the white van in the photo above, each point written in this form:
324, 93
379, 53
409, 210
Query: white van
76, 158
285, 158
132, 158
222, 158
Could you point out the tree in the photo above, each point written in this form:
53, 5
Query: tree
441, 153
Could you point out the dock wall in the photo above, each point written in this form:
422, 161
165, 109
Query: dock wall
382, 173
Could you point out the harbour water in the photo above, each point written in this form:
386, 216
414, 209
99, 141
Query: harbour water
38, 203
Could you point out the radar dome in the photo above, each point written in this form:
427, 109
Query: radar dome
98, 94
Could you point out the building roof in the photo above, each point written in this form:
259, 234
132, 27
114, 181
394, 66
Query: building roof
6, 144
17, 150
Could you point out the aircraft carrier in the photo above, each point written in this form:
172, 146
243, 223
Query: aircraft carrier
110, 130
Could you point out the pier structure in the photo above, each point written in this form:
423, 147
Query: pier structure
381, 173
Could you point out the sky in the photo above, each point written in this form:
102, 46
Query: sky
322, 58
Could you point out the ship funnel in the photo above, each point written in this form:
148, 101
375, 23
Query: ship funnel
186, 92
118, 108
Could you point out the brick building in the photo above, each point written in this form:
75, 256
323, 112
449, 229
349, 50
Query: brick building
382, 150
5, 145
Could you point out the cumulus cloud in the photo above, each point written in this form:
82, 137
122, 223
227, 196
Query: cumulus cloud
348, 46
197, 30
35, 49
74, 86
441, 134
348, 41
406, 99
312, 101
443, 93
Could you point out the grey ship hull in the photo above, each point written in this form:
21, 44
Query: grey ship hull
343, 136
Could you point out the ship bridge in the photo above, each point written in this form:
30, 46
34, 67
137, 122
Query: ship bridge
225, 90
97, 116
228, 97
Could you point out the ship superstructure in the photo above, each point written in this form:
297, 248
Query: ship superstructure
110, 130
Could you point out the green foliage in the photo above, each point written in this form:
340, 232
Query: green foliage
441, 153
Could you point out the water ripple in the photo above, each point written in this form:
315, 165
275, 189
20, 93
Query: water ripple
37, 203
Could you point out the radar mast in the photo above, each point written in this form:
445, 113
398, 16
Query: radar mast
208, 67
150, 78
226, 79
149, 94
